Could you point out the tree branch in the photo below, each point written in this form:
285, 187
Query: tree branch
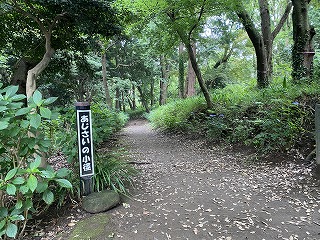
248, 24
56, 19
227, 54
198, 20
28, 14
282, 20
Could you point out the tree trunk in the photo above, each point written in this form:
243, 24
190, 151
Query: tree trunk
19, 77
38, 69
191, 77
303, 49
134, 106
32, 76
118, 105
143, 99
163, 81
259, 47
123, 102
152, 92
199, 76
266, 35
105, 82
181, 71
130, 102
263, 42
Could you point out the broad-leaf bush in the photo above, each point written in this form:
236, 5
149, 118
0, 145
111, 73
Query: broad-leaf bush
23, 182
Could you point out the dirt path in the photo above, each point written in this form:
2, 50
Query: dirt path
186, 191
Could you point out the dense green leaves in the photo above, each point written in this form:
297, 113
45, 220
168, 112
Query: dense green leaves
23, 111
34, 165
37, 98
35, 120
3, 125
11, 189
22, 178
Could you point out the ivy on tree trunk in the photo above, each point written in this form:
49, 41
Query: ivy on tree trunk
303, 49
181, 71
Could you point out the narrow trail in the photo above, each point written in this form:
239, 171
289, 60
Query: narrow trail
188, 191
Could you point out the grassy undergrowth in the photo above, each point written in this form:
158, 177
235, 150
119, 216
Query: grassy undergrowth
275, 119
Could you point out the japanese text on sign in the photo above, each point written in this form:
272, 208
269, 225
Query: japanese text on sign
85, 143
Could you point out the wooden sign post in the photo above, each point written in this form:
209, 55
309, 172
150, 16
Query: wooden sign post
85, 147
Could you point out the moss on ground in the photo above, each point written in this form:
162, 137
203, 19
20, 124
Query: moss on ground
97, 227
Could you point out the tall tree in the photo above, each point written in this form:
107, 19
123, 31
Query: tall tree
303, 33
181, 71
105, 80
262, 40
59, 21
185, 31
164, 80
190, 89
183, 19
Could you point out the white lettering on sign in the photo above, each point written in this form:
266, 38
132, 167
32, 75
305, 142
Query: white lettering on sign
85, 142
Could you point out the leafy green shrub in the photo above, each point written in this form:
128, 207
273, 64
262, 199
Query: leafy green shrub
106, 122
23, 181
175, 115
280, 128
271, 119
215, 126
136, 114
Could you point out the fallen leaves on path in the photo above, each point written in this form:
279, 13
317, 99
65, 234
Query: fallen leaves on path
195, 192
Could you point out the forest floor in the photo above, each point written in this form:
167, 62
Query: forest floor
188, 189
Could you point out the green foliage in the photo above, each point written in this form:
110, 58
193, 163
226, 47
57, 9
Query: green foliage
136, 114
175, 115
105, 123
112, 173
274, 119
80, 20
23, 182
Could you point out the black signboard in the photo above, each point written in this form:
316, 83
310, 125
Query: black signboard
85, 144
